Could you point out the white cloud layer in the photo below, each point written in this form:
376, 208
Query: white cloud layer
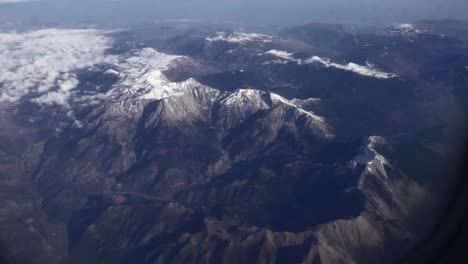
43, 63
42, 66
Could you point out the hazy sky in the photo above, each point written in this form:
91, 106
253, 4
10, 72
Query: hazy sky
247, 11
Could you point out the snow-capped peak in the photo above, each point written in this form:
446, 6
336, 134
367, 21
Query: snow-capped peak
258, 98
141, 75
316, 122
375, 163
243, 102
244, 96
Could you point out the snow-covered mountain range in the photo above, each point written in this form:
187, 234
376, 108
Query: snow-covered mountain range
175, 142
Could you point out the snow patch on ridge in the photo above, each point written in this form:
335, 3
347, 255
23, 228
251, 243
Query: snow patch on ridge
112, 72
239, 37
287, 56
368, 70
407, 29
279, 99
